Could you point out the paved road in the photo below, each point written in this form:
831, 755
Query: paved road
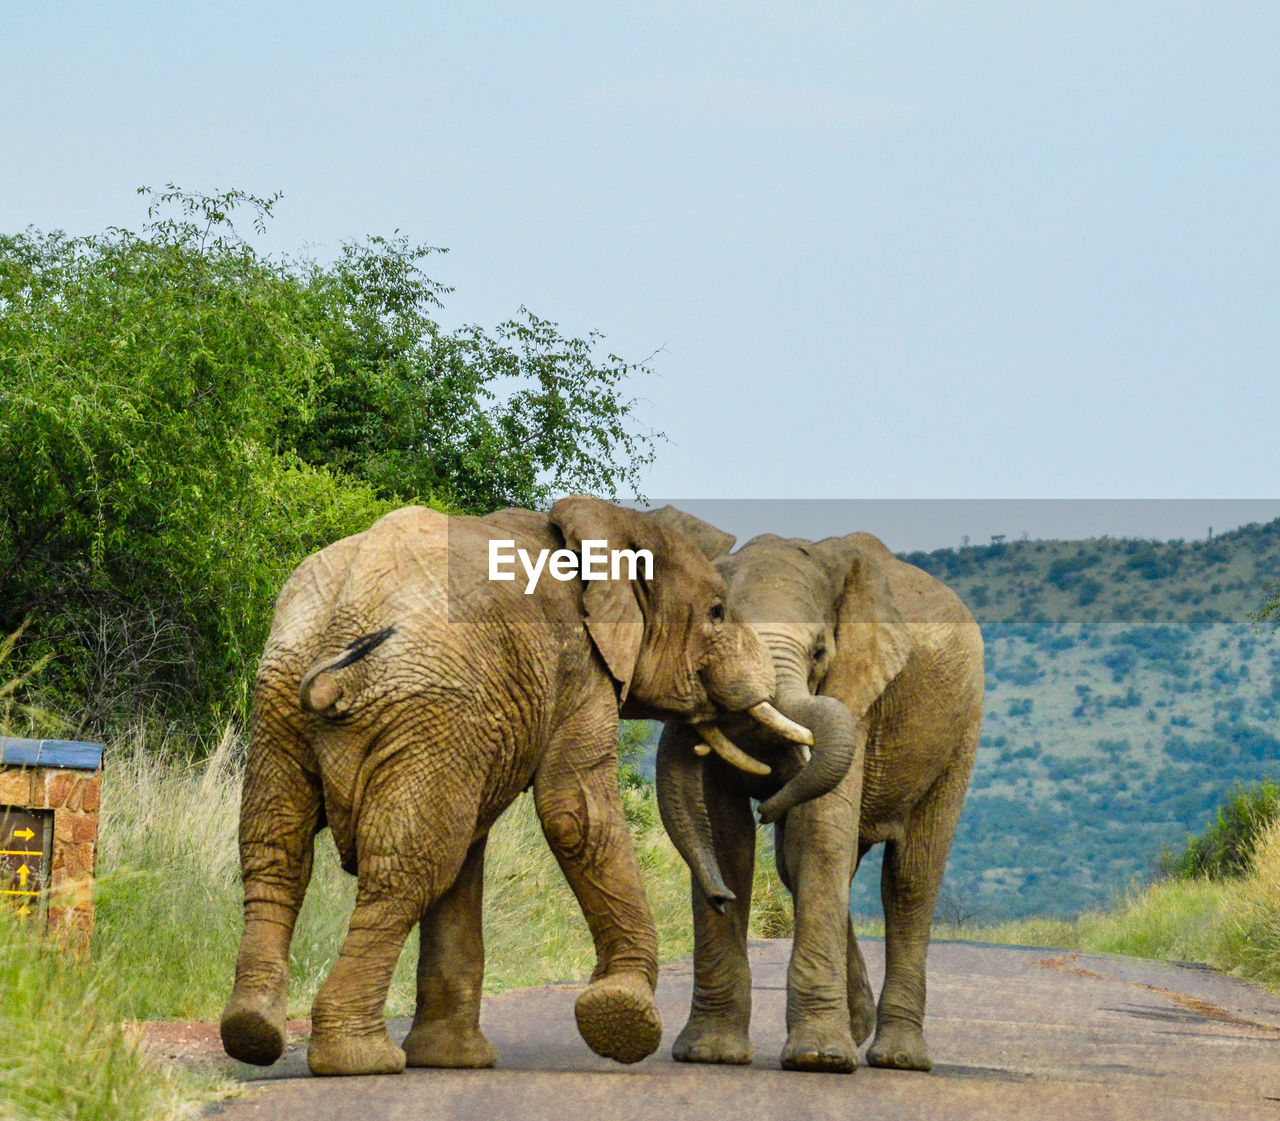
1014, 1033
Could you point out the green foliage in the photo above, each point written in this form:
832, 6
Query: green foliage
148, 519
1225, 849
633, 739
185, 419
482, 419
17, 716
637, 791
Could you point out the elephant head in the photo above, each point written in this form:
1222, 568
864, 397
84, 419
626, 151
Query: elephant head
672, 641
837, 638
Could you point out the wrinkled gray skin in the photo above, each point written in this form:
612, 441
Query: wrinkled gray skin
405, 699
876, 654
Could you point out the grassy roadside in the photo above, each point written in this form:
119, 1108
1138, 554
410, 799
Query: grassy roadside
67, 1054
1232, 924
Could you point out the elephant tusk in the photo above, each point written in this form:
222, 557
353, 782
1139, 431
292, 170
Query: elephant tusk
772, 719
701, 748
729, 751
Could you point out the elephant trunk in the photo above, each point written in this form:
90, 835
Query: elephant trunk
836, 735
682, 804
681, 771
835, 746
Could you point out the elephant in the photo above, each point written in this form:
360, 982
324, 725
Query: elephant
872, 653
407, 693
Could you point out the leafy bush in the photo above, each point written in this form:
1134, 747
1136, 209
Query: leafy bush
185, 419
1225, 849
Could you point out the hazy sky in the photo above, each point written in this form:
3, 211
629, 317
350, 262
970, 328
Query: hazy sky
883, 251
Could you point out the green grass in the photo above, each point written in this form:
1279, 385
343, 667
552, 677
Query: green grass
67, 1055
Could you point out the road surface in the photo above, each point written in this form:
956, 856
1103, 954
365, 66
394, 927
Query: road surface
1014, 1033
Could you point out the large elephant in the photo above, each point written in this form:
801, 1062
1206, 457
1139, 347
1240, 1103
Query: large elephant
882, 662
405, 697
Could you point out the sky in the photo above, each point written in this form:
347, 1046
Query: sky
876, 252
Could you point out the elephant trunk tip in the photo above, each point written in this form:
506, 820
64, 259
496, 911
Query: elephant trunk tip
720, 900
770, 814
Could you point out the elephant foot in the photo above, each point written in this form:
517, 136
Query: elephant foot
440, 1044
354, 1054
252, 1027
618, 1017
711, 1040
824, 1048
899, 1046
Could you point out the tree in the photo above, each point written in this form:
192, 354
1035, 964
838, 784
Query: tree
484, 419
183, 419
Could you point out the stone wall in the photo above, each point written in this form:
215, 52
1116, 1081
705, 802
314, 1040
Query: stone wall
74, 796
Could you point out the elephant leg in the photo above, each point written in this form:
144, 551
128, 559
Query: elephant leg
821, 842
720, 1016
576, 794
281, 810
411, 839
446, 1026
910, 879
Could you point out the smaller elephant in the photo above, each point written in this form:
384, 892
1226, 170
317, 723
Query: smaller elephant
408, 692
884, 664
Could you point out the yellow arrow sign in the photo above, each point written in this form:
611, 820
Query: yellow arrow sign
24, 874
25, 834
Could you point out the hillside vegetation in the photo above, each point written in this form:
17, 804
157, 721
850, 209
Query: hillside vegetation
1127, 693
1226, 916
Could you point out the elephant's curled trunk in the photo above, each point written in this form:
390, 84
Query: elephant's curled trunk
836, 740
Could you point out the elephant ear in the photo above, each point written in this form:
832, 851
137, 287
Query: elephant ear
712, 543
872, 639
611, 608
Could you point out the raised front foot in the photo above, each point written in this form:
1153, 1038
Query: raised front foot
354, 1054
899, 1046
253, 1027
439, 1044
618, 1017
707, 1039
821, 1047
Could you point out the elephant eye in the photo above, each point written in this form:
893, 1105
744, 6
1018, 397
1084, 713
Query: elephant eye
717, 613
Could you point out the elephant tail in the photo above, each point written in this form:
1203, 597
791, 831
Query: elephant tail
322, 689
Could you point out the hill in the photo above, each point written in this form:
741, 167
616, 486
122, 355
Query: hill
1127, 692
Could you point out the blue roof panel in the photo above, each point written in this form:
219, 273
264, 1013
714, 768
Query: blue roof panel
70, 754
